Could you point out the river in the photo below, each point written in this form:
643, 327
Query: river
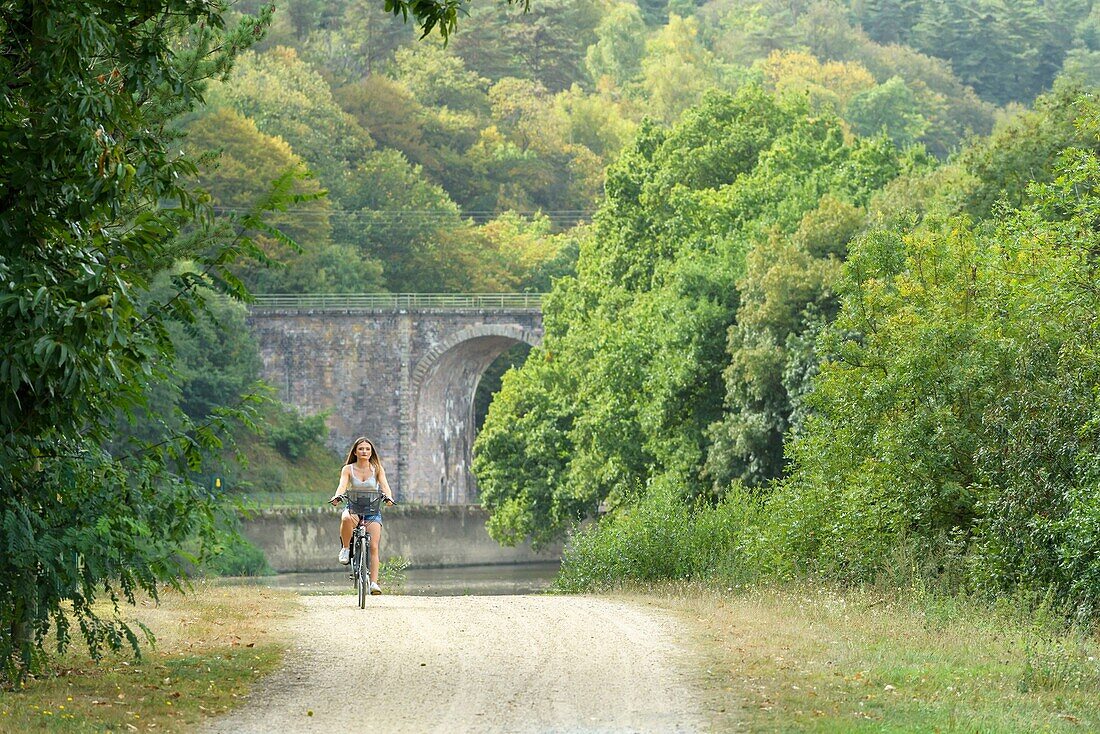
525, 578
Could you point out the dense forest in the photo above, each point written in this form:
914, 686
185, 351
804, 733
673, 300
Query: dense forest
475, 165
821, 275
803, 342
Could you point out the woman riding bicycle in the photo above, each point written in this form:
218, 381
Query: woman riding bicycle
362, 470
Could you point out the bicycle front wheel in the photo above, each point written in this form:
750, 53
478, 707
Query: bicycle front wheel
362, 571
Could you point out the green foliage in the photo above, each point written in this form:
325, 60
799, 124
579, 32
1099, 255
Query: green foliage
785, 291
536, 448
489, 384
247, 159
660, 537
1006, 51
356, 39
393, 572
1024, 150
393, 214
742, 32
95, 205
216, 358
545, 42
942, 429
439, 78
259, 471
294, 435
234, 554
677, 69
890, 108
617, 54
287, 98
630, 376
957, 409
523, 111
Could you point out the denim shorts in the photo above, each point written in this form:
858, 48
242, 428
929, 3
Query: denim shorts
377, 517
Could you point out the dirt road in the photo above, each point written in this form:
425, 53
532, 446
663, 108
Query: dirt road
476, 664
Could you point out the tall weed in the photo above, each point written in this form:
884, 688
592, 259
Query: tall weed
659, 537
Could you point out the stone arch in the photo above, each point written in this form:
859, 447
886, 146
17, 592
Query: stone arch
440, 411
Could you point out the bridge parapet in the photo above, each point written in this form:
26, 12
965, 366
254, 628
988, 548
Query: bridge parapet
396, 302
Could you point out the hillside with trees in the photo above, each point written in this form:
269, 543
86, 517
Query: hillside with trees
465, 165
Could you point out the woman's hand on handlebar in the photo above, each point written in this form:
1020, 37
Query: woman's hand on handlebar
389, 500
336, 500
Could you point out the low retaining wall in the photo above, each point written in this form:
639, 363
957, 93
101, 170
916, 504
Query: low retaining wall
308, 539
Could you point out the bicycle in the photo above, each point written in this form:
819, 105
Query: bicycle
362, 502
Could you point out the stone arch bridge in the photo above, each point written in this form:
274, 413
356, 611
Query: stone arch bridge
401, 369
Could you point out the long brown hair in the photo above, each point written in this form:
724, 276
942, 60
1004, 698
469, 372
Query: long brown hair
375, 459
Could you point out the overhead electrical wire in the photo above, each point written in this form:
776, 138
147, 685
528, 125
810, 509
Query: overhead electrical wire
425, 216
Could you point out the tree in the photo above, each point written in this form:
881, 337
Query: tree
429, 15
437, 77
546, 43
834, 82
393, 114
787, 290
595, 122
434, 138
94, 202
216, 363
887, 21
355, 44
237, 179
532, 454
287, 98
890, 108
1023, 151
677, 69
617, 54
1006, 50
392, 215
956, 405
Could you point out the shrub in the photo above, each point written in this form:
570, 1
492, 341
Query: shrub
660, 537
293, 435
238, 556
235, 555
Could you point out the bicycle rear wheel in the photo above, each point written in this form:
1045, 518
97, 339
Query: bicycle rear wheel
362, 572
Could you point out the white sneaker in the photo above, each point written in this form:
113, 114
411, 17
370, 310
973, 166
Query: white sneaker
345, 556
375, 589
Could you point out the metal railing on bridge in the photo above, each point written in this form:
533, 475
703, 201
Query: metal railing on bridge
342, 302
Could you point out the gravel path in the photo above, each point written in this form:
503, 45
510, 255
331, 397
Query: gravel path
476, 664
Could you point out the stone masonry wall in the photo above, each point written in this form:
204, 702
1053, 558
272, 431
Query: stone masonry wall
308, 539
406, 379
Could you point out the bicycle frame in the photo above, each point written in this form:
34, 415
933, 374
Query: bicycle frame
359, 549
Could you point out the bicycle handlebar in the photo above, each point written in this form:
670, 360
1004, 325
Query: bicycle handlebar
344, 498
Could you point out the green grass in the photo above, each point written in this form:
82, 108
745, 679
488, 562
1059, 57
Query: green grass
316, 472
270, 480
822, 660
211, 647
257, 501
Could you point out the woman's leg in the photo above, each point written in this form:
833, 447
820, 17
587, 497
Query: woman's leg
375, 530
348, 522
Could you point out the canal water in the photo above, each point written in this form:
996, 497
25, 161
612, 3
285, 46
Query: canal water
526, 578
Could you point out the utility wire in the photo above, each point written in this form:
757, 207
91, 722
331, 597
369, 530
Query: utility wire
427, 212
412, 217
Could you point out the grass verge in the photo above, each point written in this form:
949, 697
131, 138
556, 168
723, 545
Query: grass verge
820, 660
211, 646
